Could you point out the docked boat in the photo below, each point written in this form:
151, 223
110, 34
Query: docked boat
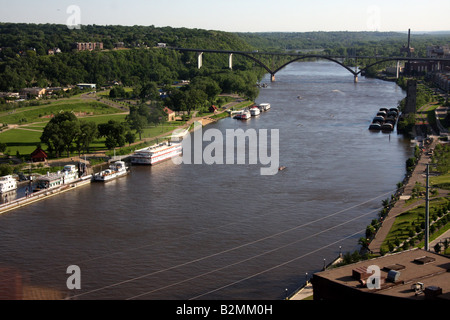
375, 126
116, 170
49, 181
246, 115
157, 153
387, 127
243, 115
255, 111
54, 180
7, 184
70, 173
378, 119
264, 106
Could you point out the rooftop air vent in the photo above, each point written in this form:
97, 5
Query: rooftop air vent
424, 260
396, 267
393, 276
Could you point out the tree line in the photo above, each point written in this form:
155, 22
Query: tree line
66, 133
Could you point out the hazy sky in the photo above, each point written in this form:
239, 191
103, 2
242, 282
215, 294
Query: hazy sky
239, 15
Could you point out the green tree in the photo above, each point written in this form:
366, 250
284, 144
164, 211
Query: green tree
61, 132
88, 132
114, 131
137, 122
5, 169
130, 137
3, 147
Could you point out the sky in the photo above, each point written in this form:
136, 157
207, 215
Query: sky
238, 15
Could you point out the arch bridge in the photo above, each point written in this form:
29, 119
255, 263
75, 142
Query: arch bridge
298, 56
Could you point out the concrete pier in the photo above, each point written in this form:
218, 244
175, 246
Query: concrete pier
41, 195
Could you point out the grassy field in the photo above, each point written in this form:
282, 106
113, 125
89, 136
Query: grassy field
405, 224
27, 123
43, 112
32, 120
22, 141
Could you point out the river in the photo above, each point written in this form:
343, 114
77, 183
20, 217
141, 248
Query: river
224, 231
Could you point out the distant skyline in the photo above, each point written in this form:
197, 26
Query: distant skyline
238, 16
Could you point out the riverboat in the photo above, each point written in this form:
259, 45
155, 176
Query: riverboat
70, 173
115, 170
7, 184
246, 115
255, 111
264, 106
243, 115
156, 154
54, 180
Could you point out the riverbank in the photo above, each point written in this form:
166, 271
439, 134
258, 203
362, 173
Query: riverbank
205, 120
41, 195
401, 206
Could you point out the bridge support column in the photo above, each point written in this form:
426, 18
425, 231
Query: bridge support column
273, 78
356, 78
398, 69
200, 59
230, 61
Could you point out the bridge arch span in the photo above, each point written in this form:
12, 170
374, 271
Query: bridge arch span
256, 60
379, 61
318, 57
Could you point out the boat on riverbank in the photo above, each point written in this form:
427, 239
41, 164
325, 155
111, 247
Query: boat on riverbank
116, 170
157, 153
7, 184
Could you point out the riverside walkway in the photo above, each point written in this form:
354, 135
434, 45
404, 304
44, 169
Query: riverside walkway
417, 176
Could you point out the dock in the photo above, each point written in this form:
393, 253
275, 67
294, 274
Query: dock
43, 194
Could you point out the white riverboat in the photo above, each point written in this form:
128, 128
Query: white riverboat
255, 111
58, 179
243, 115
116, 170
70, 173
156, 154
264, 106
7, 184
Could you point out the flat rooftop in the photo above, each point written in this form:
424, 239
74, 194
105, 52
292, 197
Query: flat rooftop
399, 274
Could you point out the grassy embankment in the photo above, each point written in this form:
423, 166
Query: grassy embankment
408, 228
23, 127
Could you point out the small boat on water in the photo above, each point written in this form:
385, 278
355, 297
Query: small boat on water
243, 115
264, 106
246, 115
7, 184
255, 111
116, 170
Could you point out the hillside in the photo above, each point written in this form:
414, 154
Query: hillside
25, 62
345, 42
